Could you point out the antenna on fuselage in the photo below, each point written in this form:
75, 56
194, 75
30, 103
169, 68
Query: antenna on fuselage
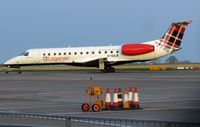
67, 45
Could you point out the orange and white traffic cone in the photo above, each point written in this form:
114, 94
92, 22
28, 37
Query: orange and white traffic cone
120, 97
125, 103
130, 95
136, 99
108, 99
115, 104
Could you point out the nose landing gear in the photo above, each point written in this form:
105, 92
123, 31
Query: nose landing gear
19, 71
8, 70
109, 69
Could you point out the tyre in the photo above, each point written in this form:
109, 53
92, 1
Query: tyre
111, 69
106, 70
85, 107
19, 72
95, 107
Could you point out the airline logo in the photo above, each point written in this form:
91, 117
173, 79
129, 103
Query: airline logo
55, 59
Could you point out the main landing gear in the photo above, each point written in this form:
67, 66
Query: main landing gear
108, 69
19, 72
8, 70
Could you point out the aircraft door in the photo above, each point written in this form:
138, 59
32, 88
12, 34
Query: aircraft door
36, 56
29, 57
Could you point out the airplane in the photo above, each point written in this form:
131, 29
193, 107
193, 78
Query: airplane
104, 57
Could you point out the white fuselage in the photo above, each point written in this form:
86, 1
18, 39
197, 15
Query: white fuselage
104, 57
70, 55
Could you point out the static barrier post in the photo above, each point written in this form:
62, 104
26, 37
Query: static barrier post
67, 122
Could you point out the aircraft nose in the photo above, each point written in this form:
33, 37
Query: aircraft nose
11, 61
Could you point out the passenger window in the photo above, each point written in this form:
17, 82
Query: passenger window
99, 52
105, 52
75, 53
87, 52
44, 54
49, 54
59, 54
93, 52
117, 51
81, 53
111, 51
64, 53
69, 53
54, 54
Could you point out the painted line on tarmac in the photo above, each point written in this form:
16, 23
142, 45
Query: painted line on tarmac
171, 88
62, 114
175, 76
159, 109
37, 106
151, 109
101, 112
9, 111
174, 100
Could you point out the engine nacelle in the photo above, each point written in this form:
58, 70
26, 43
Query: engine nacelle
136, 49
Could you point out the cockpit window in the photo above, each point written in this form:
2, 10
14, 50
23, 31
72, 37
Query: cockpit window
24, 54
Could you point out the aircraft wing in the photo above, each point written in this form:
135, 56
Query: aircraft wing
91, 63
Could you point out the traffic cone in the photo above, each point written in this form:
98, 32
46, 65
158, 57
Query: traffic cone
125, 103
108, 99
115, 104
120, 97
135, 102
130, 95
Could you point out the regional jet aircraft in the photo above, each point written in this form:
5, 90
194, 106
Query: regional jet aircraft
104, 57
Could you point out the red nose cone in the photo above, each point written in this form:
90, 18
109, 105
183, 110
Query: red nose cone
136, 49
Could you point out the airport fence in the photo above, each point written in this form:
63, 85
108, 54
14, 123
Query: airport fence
35, 120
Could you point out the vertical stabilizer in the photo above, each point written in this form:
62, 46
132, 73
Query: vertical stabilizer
171, 40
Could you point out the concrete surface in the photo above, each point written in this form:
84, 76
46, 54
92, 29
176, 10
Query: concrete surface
165, 95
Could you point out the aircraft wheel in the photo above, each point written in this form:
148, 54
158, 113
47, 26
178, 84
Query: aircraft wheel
95, 107
6, 72
111, 69
19, 72
85, 107
106, 70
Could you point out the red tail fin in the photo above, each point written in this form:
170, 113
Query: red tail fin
173, 37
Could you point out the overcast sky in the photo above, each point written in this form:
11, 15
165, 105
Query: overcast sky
26, 24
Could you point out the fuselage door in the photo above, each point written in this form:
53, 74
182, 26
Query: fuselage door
35, 56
